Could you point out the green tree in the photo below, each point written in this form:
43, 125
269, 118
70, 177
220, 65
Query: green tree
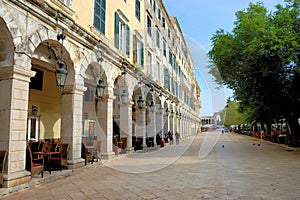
259, 60
230, 115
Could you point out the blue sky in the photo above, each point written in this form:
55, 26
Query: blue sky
199, 20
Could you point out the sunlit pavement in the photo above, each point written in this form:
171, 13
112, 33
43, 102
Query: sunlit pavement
239, 170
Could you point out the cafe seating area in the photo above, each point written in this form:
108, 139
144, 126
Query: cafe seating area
46, 155
3, 157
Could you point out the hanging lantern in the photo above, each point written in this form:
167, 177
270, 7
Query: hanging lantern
124, 97
140, 102
100, 88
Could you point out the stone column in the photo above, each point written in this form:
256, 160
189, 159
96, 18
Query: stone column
71, 123
141, 124
126, 124
151, 126
105, 117
159, 123
14, 89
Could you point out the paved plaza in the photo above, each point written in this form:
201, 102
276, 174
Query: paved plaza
239, 170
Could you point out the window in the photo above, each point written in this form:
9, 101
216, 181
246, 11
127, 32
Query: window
158, 14
67, 2
122, 34
170, 58
166, 79
164, 22
138, 52
154, 7
157, 38
138, 9
149, 26
169, 33
149, 63
33, 128
36, 82
99, 15
164, 48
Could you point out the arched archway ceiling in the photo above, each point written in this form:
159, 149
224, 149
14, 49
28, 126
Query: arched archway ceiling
94, 72
49, 51
6, 45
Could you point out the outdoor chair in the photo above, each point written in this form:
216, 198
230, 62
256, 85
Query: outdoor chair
60, 160
86, 155
97, 151
3, 155
34, 165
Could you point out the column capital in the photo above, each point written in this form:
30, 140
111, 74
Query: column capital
15, 72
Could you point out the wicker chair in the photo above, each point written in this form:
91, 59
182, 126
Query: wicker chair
3, 155
61, 159
34, 165
86, 155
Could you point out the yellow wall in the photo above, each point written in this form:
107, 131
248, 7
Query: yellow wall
48, 102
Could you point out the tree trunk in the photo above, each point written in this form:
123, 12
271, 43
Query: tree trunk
295, 129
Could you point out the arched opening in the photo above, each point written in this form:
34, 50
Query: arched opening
44, 96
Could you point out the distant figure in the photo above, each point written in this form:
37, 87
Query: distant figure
177, 136
158, 139
222, 131
170, 135
223, 145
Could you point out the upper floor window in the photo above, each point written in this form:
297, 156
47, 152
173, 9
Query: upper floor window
138, 51
164, 22
99, 15
122, 33
157, 38
154, 7
149, 26
67, 2
164, 48
159, 14
138, 9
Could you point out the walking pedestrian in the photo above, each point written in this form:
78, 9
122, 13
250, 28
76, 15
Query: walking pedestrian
177, 136
170, 134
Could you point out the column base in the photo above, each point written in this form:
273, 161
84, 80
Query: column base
75, 164
109, 155
17, 178
129, 150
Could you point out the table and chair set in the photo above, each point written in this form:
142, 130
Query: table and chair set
44, 156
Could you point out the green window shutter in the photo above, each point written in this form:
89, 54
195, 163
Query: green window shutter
127, 40
102, 15
142, 54
117, 30
135, 49
137, 10
99, 15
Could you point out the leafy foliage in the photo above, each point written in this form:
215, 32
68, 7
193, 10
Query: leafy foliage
259, 60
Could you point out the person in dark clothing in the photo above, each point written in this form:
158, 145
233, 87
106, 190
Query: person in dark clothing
170, 135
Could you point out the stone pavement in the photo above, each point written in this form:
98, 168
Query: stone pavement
239, 170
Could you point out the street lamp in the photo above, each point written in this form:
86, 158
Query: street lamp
100, 89
34, 111
152, 106
61, 73
140, 102
124, 97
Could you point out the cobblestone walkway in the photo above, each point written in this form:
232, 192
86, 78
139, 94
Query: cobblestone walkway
239, 170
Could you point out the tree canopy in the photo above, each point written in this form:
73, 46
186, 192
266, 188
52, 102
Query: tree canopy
259, 60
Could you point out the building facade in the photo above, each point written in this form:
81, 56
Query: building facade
132, 49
